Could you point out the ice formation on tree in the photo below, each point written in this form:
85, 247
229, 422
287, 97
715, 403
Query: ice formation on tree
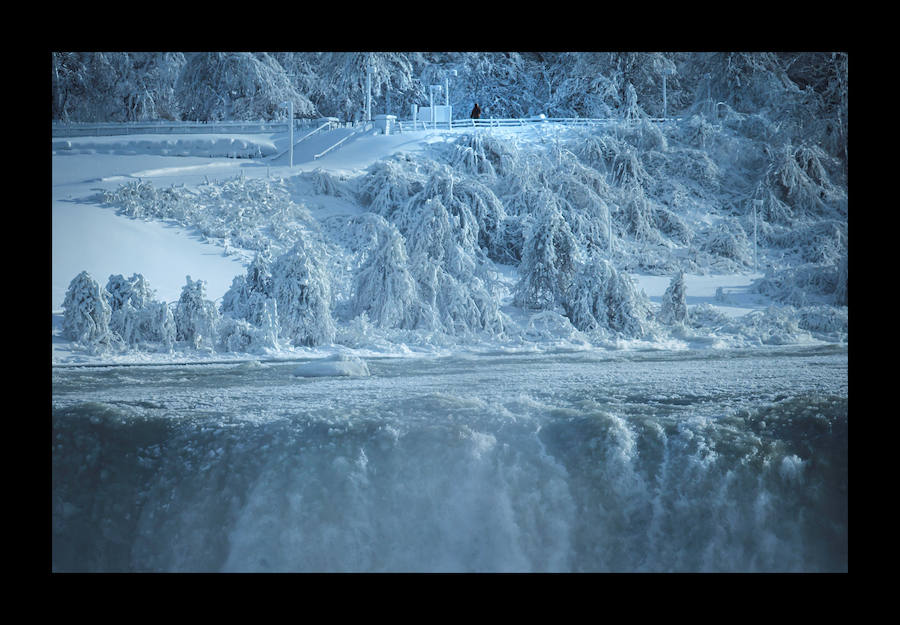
549, 260
385, 288
136, 317
673, 309
302, 290
87, 314
196, 318
602, 298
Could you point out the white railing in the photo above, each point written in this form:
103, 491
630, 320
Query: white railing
410, 125
78, 129
360, 128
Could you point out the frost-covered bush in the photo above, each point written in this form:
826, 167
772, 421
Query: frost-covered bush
196, 318
87, 314
142, 200
708, 317
302, 289
800, 178
826, 321
550, 257
602, 298
251, 213
673, 309
776, 325
727, 239
389, 184
325, 183
804, 285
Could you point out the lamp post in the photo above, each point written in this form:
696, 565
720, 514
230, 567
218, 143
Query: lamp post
369, 70
290, 107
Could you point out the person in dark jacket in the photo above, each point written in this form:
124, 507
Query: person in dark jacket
476, 112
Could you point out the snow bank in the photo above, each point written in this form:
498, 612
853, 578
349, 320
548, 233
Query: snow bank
212, 145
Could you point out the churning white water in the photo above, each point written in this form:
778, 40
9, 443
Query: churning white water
586, 461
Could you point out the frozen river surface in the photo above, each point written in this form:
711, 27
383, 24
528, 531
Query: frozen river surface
586, 461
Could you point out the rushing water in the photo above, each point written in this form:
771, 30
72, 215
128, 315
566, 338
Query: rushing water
653, 461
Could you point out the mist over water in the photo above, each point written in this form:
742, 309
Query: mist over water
584, 461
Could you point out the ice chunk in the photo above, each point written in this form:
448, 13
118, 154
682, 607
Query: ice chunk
335, 365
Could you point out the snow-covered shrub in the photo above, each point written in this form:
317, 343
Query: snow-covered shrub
302, 290
142, 200
325, 183
389, 184
804, 285
196, 318
825, 321
158, 325
802, 180
708, 317
602, 298
87, 314
668, 223
673, 309
550, 258
727, 239
776, 325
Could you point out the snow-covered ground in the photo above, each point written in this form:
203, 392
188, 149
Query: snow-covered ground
88, 236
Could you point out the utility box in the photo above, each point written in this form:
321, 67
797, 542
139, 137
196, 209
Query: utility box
385, 123
442, 114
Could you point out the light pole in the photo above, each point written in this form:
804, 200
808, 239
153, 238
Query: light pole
290, 106
369, 70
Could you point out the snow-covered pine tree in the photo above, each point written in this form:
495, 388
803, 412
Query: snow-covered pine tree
673, 309
196, 318
87, 314
601, 298
302, 290
384, 288
550, 257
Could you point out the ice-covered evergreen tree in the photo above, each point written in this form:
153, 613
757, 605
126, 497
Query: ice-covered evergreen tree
196, 318
302, 290
87, 314
673, 309
549, 259
602, 298
385, 289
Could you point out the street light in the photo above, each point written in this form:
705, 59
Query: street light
290, 105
